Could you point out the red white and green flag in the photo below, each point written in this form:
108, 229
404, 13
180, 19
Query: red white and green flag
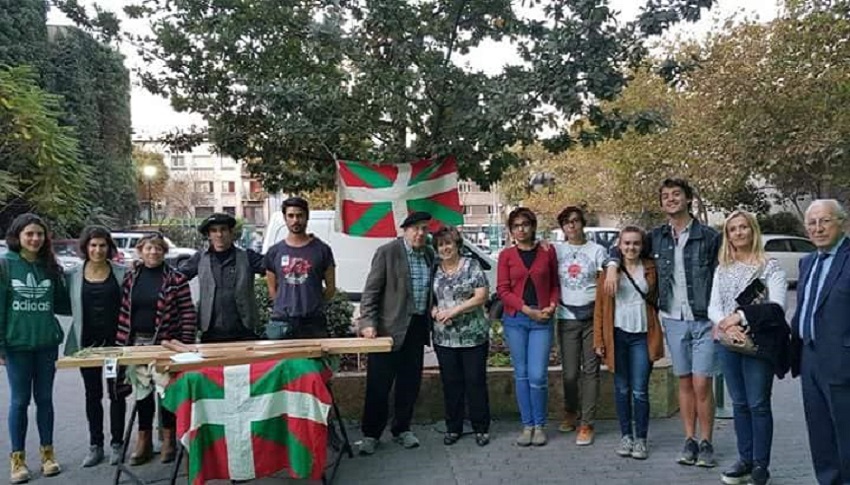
249, 421
373, 200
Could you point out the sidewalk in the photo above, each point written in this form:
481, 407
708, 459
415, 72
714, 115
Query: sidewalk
465, 463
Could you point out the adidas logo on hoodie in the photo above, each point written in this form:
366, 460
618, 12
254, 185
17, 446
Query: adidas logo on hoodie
30, 292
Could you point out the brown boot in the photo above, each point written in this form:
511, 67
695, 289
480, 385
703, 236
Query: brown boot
49, 465
167, 450
144, 448
19, 473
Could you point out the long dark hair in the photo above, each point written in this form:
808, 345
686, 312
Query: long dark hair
45, 253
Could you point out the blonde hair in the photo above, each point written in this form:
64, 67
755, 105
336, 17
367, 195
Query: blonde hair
725, 258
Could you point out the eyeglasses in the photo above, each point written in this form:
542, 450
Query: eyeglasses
521, 225
822, 222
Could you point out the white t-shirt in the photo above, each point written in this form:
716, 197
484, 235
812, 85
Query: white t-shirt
577, 268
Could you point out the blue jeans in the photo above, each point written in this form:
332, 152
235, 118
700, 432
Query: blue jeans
30, 375
750, 383
631, 382
530, 343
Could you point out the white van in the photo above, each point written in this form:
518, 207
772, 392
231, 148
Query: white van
353, 255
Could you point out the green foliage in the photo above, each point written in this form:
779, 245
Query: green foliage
95, 88
340, 314
781, 223
755, 110
40, 167
261, 296
23, 32
289, 86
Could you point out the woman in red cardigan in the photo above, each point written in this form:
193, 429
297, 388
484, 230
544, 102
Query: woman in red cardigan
529, 289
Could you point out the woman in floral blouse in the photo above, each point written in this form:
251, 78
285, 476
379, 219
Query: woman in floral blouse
461, 334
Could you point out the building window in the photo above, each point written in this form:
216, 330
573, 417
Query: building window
202, 161
204, 187
178, 161
253, 214
203, 211
229, 210
228, 187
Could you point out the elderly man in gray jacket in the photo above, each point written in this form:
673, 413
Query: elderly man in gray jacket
395, 303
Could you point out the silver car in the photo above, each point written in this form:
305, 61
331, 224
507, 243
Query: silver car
788, 251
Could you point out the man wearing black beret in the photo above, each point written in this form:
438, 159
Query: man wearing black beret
395, 304
226, 282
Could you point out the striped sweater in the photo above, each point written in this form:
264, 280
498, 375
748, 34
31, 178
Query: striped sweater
176, 317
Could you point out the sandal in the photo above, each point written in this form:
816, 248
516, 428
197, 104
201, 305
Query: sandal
450, 438
482, 439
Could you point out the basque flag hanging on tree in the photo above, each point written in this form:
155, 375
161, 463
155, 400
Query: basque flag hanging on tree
373, 200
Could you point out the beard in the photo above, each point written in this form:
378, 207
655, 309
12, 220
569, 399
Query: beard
297, 228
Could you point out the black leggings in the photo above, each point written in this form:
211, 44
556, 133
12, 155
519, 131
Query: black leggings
146, 408
93, 382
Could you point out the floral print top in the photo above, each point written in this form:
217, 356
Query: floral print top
468, 329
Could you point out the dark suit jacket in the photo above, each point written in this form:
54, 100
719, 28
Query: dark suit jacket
387, 301
832, 318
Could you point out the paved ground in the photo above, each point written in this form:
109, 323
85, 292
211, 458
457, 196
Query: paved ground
465, 463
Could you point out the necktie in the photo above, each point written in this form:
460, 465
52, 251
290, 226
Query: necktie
814, 283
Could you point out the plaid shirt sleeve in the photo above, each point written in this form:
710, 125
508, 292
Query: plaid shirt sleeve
419, 276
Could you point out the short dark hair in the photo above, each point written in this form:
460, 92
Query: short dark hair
523, 212
295, 202
45, 253
447, 233
152, 238
565, 214
670, 183
97, 232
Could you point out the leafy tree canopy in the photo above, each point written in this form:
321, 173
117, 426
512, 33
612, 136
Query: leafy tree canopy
40, 168
290, 85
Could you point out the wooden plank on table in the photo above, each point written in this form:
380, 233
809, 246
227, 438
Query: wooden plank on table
94, 357
333, 345
247, 358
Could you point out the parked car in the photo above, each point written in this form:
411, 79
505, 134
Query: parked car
126, 242
788, 251
604, 236
67, 253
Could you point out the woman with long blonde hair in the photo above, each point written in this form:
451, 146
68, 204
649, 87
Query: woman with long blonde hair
747, 307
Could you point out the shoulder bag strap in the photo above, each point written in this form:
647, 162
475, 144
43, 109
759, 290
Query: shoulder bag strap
637, 288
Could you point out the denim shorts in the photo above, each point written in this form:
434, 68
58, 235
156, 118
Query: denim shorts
691, 346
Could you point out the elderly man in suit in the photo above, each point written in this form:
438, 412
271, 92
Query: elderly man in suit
821, 332
395, 304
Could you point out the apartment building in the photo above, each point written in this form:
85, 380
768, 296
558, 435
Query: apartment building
201, 182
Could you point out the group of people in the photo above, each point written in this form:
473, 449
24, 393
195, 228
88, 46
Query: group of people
715, 298
146, 303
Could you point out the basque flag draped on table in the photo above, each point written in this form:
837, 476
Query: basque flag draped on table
373, 200
249, 421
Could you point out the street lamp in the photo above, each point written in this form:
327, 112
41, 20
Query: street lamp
149, 171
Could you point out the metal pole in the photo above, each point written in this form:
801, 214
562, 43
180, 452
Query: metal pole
150, 204
720, 411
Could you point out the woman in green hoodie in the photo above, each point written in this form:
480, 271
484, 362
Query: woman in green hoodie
32, 292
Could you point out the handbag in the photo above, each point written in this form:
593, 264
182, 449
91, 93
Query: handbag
754, 294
